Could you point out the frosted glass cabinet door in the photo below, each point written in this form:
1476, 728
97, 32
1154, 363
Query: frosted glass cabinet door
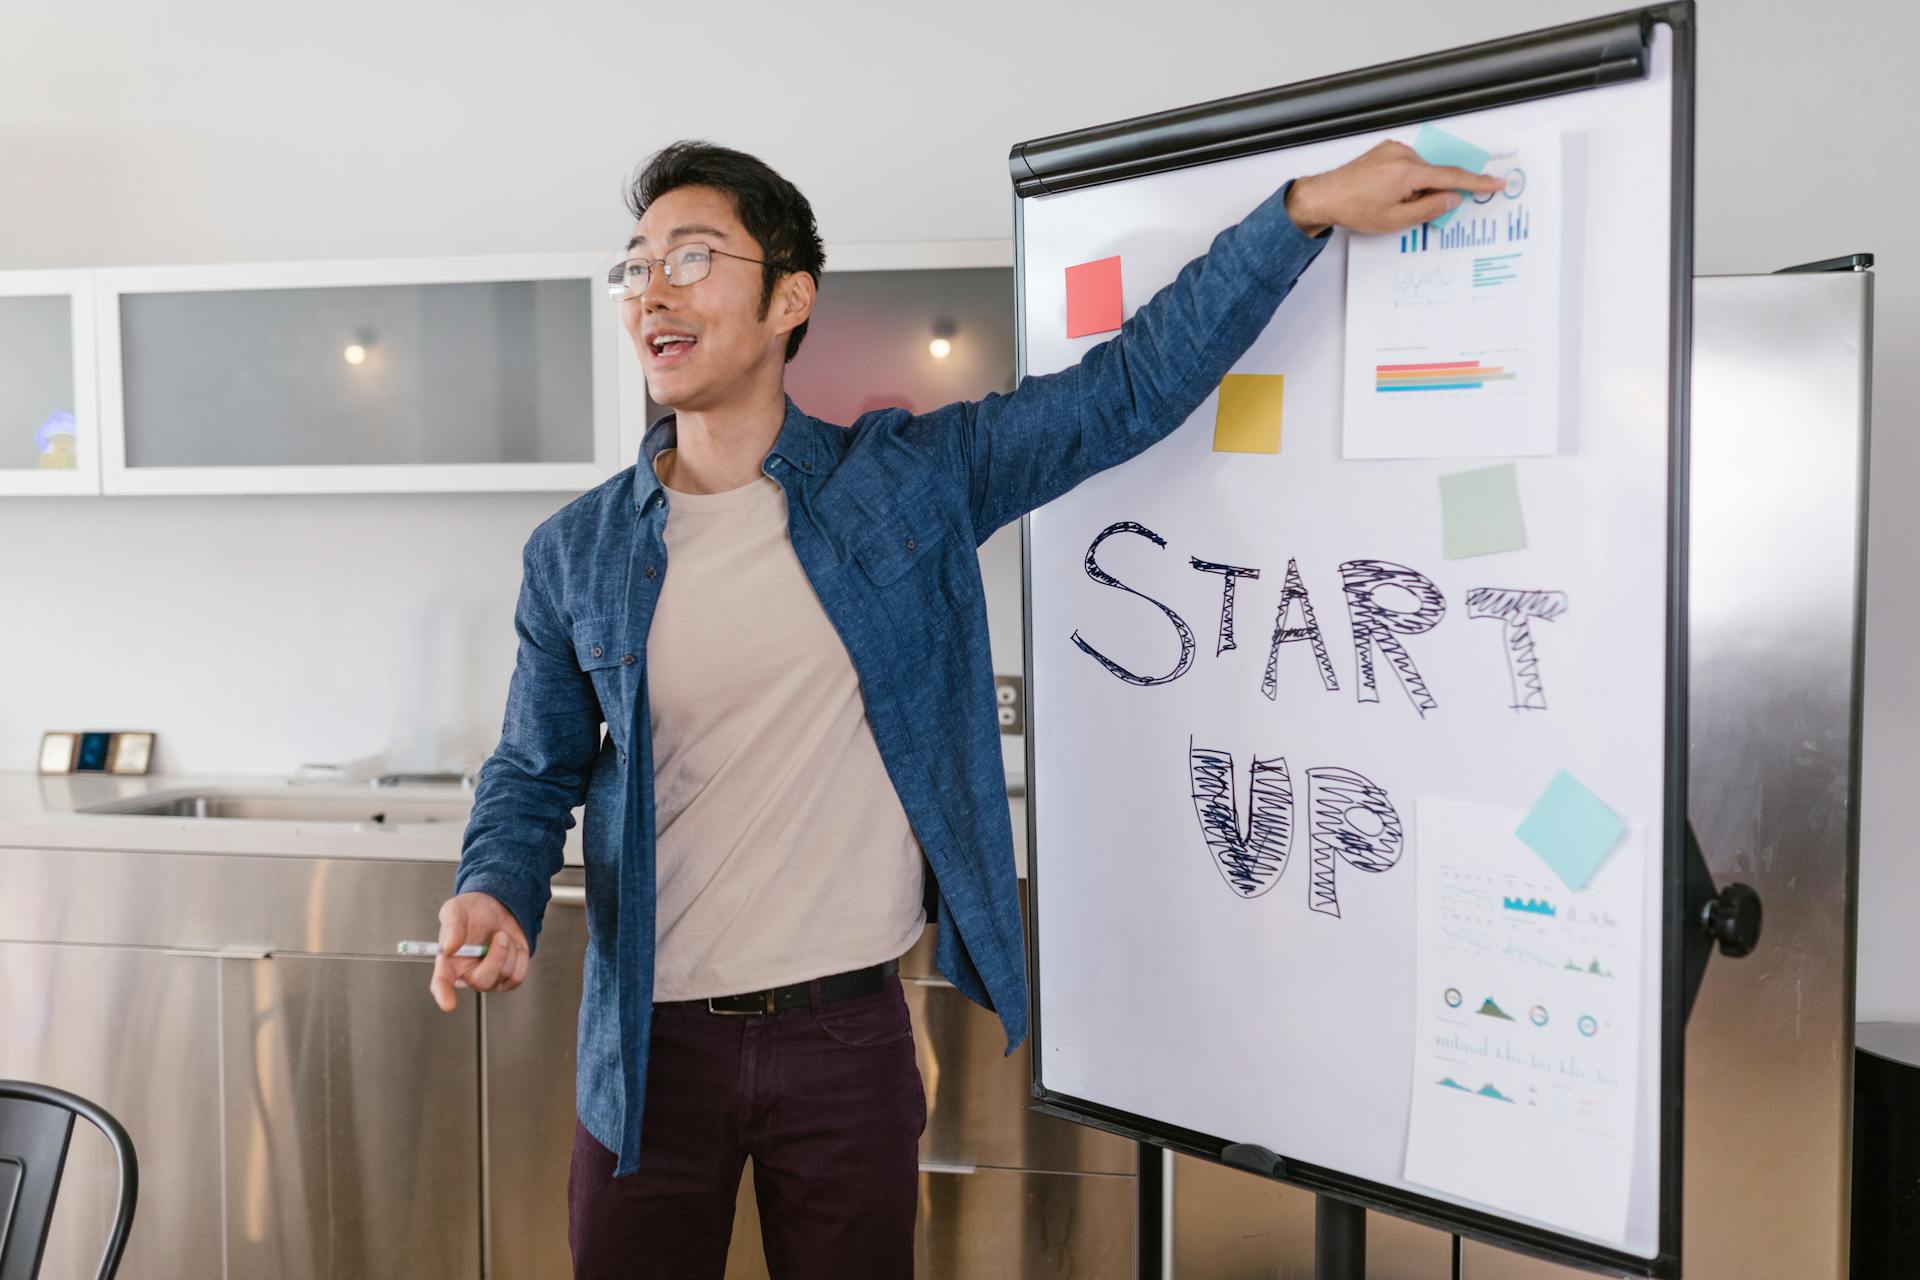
492, 374
48, 424
914, 339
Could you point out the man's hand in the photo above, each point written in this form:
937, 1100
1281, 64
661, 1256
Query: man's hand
1390, 188
478, 918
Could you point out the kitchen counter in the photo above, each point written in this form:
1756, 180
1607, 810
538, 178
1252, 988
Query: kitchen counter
48, 812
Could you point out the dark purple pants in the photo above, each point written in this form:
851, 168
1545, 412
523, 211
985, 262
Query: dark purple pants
829, 1103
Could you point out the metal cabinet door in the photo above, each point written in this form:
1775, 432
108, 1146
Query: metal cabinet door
136, 1031
352, 1121
1228, 1224
978, 1097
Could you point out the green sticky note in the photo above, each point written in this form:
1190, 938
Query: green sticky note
1480, 513
1437, 146
1247, 418
1571, 829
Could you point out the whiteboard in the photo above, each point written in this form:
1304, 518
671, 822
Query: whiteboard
1164, 993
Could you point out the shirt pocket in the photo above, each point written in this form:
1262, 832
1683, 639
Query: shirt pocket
901, 534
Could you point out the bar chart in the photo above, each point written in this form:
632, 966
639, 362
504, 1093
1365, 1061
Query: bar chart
1495, 269
1467, 233
1442, 375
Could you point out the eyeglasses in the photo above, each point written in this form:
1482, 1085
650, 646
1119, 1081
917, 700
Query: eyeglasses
684, 264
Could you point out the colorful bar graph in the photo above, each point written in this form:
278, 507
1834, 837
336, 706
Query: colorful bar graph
1445, 375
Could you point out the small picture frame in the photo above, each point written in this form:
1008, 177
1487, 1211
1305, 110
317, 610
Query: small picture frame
92, 755
57, 751
130, 753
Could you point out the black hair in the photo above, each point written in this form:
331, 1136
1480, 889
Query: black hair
771, 209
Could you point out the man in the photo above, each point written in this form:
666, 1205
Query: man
801, 751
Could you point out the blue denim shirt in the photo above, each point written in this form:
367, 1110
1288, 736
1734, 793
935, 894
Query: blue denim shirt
885, 517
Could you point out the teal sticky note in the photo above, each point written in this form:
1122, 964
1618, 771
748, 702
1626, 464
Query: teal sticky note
1437, 146
1571, 829
1480, 512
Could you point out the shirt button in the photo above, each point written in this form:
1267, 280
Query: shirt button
596, 651
807, 467
912, 545
626, 659
652, 572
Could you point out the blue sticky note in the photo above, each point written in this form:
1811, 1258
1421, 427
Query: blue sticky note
1437, 146
1571, 829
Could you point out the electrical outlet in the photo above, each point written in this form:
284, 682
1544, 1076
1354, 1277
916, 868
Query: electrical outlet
1010, 696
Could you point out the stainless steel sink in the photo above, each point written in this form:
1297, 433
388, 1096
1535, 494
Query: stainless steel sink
353, 808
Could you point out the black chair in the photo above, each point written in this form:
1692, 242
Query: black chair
36, 1123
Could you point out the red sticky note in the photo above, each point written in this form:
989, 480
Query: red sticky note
1093, 298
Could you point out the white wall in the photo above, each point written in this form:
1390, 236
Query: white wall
255, 633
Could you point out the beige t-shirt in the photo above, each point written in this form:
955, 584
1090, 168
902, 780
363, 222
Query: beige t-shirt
783, 852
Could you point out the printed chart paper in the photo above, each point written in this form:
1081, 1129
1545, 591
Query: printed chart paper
1453, 331
1526, 1023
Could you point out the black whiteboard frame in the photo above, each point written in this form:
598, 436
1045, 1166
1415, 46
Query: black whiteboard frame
1539, 64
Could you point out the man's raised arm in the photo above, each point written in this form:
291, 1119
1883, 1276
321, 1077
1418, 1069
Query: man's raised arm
1021, 450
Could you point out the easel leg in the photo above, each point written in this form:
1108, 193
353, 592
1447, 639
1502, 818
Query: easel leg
1339, 1240
1148, 1205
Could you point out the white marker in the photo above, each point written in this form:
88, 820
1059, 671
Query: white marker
429, 949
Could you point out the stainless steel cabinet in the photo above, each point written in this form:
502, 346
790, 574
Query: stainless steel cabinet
298, 1106
351, 1121
135, 1030
301, 1110
1228, 1224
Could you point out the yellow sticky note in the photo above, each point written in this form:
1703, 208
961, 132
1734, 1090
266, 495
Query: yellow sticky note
1248, 417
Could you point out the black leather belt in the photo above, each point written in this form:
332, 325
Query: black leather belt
798, 995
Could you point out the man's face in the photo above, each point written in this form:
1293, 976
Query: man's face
732, 344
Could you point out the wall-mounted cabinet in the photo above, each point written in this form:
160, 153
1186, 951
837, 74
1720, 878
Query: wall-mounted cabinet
49, 417
473, 374
428, 375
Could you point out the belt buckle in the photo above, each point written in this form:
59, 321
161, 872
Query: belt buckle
742, 1013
